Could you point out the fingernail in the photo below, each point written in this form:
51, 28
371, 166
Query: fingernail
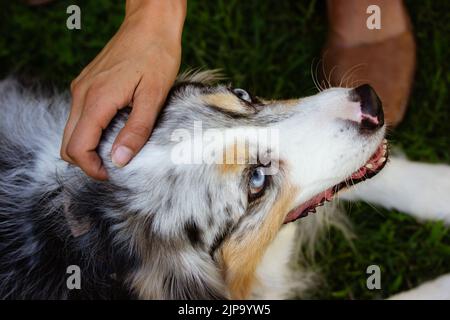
121, 156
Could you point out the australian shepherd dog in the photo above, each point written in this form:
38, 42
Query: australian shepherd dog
206, 210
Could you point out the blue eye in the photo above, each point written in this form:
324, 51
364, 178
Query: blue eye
257, 180
242, 94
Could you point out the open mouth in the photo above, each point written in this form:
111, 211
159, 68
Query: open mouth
376, 162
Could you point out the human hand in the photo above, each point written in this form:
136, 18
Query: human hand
136, 68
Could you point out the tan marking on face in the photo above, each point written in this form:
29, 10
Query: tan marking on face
226, 101
230, 168
287, 102
236, 157
241, 256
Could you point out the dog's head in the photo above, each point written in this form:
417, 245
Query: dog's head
224, 170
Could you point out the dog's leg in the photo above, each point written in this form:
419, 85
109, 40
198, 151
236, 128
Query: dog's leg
438, 289
422, 190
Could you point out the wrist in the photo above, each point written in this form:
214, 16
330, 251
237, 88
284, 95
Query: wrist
165, 16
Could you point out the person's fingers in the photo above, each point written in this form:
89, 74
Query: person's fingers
86, 135
147, 102
76, 108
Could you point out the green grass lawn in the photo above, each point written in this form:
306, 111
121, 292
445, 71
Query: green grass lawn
268, 47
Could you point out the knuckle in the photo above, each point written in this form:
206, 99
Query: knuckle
95, 87
91, 93
63, 155
75, 88
96, 91
73, 151
93, 97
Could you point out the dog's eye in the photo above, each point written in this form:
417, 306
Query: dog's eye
242, 94
257, 181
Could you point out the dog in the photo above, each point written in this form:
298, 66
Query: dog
161, 228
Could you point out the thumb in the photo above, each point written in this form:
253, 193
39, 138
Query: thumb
137, 129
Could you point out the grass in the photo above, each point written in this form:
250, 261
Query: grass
268, 47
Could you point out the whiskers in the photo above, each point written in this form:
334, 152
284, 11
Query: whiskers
347, 79
352, 184
323, 80
314, 76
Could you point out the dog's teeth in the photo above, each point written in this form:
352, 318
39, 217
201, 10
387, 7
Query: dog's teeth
384, 152
384, 146
369, 166
383, 159
384, 140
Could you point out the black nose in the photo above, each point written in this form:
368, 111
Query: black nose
371, 108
